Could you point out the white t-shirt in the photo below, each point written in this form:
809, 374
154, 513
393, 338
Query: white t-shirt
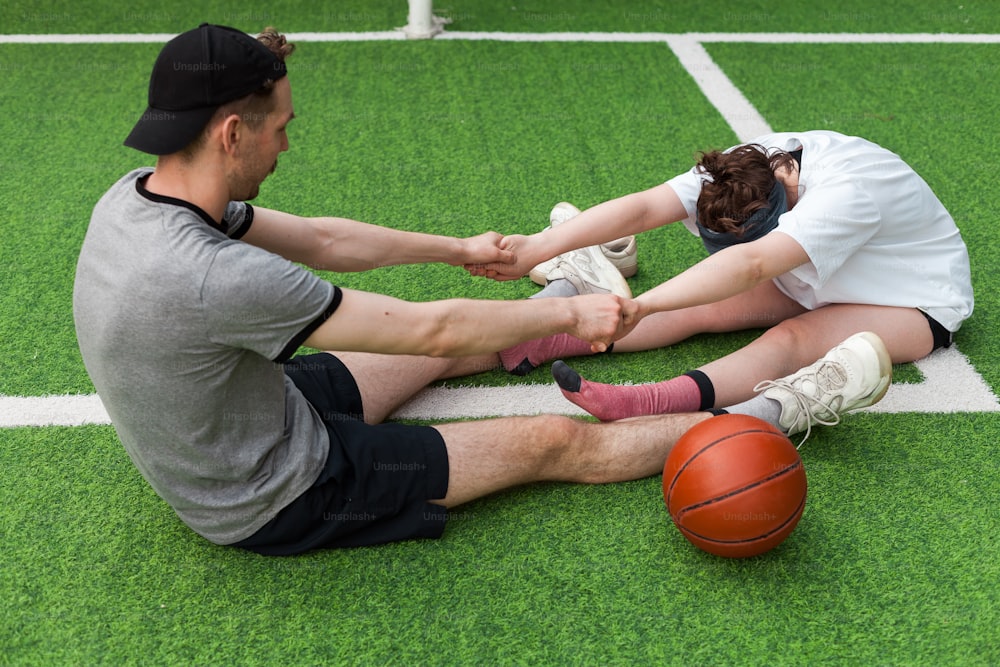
874, 231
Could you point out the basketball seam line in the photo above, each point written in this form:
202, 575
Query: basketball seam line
714, 540
740, 490
698, 453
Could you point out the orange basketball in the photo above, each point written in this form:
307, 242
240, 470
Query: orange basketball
735, 486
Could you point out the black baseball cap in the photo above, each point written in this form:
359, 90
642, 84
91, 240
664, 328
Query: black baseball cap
197, 72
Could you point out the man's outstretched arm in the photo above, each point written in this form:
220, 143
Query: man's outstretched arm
343, 245
366, 322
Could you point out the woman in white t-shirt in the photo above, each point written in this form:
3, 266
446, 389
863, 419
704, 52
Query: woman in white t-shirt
814, 236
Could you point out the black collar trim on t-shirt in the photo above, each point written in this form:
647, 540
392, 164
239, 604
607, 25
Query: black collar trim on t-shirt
140, 187
797, 154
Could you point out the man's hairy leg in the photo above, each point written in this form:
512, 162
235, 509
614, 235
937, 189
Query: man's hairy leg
485, 456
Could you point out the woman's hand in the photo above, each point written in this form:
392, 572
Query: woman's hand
525, 253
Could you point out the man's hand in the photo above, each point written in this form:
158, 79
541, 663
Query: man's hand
603, 319
484, 250
524, 258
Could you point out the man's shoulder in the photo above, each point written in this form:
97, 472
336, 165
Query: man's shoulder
120, 199
126, 184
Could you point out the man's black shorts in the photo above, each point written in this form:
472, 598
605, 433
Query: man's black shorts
377, 479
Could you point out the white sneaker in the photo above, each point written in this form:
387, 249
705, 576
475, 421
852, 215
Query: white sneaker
853, 375
590, 272
620, 252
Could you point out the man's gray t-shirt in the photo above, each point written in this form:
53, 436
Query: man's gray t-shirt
182, 327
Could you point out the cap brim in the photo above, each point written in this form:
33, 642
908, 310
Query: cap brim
161, 132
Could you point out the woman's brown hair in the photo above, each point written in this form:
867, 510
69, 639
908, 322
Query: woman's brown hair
742, 180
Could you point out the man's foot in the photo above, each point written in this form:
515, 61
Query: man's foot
582, 393
853, 375
609, 402
523, 358
620, 252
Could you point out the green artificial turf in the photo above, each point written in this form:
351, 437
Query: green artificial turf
894, 560
891, 563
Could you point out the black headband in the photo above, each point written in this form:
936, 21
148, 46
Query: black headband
756, 226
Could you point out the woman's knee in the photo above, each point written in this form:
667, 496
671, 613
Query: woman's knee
789, 334
800, 344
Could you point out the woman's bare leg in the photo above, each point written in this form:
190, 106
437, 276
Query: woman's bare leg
781, 350
801, 340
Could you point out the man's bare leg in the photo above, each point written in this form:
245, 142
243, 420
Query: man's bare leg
486, 456
386, 381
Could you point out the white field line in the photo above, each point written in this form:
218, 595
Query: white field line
160, 38
635, 37
741, 115
951, 383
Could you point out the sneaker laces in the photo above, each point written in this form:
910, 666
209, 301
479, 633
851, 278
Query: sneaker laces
807, 403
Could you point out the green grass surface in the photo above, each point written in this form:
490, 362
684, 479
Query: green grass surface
891, 564
894, 561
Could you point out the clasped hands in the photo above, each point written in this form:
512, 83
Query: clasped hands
603, 318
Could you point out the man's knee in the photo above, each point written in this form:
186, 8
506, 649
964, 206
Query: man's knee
551, 443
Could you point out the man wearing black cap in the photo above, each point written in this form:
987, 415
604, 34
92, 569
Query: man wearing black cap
190, 305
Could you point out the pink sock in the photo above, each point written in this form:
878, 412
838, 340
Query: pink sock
523, 358
609, 402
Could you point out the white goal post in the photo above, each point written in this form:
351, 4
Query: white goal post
421, 22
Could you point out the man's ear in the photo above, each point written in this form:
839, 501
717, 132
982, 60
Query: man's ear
232, 129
